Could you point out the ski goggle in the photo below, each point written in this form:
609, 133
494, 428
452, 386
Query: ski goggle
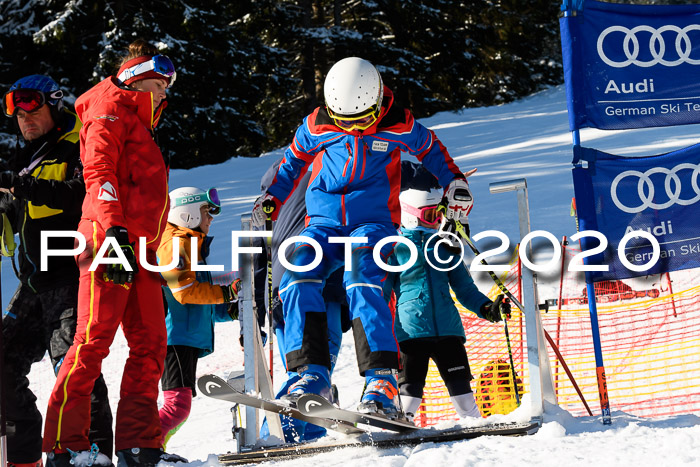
211, 197
158, 63
427, 214
28, 100
360, 121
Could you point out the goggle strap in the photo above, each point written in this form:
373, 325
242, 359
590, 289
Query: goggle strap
131, 71
150, 65
198, 198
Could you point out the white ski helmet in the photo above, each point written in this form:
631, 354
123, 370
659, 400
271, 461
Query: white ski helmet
185, 205
412, 201
353, 85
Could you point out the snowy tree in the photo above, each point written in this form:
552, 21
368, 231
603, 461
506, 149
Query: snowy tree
250, 70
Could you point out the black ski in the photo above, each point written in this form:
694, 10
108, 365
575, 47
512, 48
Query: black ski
213, 386
314, 405
411, 439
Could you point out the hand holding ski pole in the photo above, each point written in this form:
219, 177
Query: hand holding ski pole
497, 310
459, 228
265, 208
231, 291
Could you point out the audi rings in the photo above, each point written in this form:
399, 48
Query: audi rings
657, 46
673, 193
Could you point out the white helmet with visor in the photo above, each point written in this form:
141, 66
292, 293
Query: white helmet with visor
353, 92
419, 205
186, 203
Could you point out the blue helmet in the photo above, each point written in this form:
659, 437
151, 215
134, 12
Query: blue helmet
52, 92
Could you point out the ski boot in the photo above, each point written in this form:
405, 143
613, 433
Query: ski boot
146, 457
91, 458
315, 379
380, 395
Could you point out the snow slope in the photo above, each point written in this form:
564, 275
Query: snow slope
525, 139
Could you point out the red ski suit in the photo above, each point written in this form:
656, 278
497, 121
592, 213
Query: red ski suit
126, 180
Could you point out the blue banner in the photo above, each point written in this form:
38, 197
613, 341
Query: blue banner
631, 66
656, 194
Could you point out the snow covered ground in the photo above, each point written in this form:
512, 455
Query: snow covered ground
525, 139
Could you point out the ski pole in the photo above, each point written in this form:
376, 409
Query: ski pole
270, 294
568, 371
459, 228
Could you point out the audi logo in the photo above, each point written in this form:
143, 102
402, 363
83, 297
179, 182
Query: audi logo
672, 186
657, 46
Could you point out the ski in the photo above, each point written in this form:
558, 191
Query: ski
414, 438
314, 405
213, 386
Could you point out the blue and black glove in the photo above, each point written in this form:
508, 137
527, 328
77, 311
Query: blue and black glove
116, 272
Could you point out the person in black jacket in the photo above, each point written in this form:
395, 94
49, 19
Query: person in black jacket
42, 189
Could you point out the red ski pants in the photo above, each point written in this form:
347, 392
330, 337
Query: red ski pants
102, 307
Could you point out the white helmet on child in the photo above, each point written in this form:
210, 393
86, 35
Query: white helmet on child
353, 86
413, 203
186, 203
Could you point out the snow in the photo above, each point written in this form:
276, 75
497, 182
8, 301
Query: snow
525, 139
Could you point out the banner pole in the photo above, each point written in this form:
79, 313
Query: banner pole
595, 332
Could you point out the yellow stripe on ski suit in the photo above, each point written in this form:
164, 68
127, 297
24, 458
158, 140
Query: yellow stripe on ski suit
87, 337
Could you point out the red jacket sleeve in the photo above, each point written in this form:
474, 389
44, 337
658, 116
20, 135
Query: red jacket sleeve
103, 144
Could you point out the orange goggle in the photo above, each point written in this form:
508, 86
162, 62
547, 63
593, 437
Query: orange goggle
360, 121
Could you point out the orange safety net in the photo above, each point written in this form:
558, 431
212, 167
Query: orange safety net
649, 328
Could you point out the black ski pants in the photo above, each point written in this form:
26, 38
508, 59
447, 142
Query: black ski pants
36, 323
449, 356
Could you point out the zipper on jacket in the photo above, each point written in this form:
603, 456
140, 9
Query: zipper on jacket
26, 253
365, 150
430, 287
347, 162
354, 162
342, 205
345, 189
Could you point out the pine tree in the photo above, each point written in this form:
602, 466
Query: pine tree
250, 70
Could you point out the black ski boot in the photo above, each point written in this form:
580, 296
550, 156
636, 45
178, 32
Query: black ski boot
146, 457
91, 458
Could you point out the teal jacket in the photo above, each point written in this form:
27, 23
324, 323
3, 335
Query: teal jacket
192, 324
424, 306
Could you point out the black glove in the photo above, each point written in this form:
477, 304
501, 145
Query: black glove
117, 272
231, 291
8, 179
493, 311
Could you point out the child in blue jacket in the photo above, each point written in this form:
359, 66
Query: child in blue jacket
427, 323
194, 303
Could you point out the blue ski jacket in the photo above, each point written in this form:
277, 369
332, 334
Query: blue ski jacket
191, 322
356, 175
424, 306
